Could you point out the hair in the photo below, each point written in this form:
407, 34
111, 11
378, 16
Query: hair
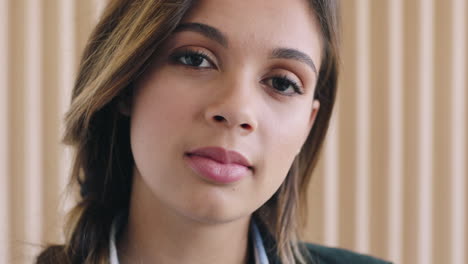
119, 51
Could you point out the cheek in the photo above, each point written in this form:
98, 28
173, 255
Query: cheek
152, 116
159, 115
160, 106
284, 140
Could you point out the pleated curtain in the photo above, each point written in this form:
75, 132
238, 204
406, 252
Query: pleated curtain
392, 179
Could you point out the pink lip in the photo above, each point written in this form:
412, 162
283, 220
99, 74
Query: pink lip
218, 164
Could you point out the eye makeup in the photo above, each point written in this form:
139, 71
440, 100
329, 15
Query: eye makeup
197, 59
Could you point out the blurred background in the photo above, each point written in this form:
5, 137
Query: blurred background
392, 180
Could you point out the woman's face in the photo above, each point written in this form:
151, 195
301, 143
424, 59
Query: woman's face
238, 75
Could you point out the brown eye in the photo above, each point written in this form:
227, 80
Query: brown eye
283, 84
192, 59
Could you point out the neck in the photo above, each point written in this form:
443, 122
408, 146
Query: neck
155, 234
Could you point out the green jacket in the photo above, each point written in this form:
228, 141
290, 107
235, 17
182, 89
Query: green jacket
328, 255
320, 254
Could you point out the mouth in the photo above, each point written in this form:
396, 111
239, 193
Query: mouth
218, 165
216, 172
189, 155
221, 155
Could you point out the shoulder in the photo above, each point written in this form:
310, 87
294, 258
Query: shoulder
329, 255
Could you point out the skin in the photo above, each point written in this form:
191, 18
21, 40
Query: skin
176, 216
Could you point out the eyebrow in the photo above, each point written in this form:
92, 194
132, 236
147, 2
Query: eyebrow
207, 31
216, 35
287, 53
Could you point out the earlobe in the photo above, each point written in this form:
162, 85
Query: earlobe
314, 112
313, 116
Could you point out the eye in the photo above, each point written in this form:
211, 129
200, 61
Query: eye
283, 84
195, 59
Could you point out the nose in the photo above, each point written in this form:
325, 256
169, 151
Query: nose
232, 107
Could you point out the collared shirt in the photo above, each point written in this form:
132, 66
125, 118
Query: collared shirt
257, 241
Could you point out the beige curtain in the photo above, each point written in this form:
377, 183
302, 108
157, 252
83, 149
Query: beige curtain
392, 180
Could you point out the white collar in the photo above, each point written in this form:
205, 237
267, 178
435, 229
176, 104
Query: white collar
259, 248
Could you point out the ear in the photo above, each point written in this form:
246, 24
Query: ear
313, 113
313, 116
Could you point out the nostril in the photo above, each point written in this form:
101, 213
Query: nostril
246, 126
218, 118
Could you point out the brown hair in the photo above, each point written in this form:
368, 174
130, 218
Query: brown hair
118, 52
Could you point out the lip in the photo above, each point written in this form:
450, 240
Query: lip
221, 155
218, 164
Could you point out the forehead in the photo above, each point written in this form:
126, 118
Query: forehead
261, 25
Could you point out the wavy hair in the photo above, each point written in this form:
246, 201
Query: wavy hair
120, 49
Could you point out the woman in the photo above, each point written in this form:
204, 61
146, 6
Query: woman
196, 126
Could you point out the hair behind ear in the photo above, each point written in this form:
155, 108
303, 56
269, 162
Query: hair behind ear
53, 254
124, 101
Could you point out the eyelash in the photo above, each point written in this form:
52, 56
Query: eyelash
296, 87
176, 59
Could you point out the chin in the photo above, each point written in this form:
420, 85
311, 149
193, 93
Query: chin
213, 212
